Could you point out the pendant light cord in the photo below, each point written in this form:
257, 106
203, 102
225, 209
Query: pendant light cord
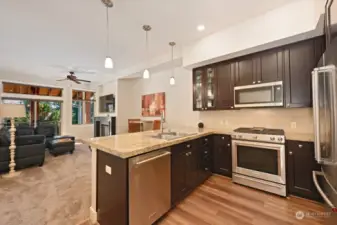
172, 60
147, 47
107, 29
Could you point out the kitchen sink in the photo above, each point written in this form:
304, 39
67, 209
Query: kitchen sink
171, 135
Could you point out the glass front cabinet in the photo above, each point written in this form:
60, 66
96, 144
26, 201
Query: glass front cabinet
204, 89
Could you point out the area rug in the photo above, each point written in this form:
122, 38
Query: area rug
56, 194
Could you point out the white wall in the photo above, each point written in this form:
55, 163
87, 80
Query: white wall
79, 131
289, 23
178, 98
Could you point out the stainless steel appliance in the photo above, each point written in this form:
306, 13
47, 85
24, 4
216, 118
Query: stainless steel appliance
258, 156
149, 187
324, 86
259, 95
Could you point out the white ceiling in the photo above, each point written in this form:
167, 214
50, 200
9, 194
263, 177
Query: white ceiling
37, 36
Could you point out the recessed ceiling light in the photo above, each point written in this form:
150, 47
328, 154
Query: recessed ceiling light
201, 27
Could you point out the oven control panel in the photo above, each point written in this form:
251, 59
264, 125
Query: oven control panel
259, 137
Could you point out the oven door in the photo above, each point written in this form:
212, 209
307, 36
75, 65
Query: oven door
260, 160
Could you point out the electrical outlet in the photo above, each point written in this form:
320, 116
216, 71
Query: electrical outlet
108, 169
293, 125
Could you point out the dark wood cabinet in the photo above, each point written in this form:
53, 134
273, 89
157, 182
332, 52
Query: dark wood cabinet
222, 155
245, 71
300, 164
184, 170
204, 151
271, 67
225, 73
300, 59
213, 85
204, 88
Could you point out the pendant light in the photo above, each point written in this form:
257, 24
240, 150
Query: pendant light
172, 79
108, 60
146, 73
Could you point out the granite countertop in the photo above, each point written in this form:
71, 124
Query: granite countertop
132, 144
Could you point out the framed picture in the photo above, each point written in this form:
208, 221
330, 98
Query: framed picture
153, 104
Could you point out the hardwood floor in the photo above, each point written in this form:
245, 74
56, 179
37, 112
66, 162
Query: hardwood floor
220, 202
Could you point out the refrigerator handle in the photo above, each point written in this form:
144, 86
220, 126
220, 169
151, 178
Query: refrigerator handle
319, 189
316, 114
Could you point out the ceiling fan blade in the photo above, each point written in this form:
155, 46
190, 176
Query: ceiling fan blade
87, 81
76, 81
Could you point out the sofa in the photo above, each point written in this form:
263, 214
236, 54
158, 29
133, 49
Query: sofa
30, 150
48, 130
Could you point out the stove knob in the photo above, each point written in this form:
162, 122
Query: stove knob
280, 139
272, 138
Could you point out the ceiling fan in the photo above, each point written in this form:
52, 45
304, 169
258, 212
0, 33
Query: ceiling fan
71, 76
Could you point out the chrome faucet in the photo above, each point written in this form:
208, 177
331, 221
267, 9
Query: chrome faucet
162, 121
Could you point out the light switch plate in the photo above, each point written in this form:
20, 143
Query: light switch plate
108, 169
293, 125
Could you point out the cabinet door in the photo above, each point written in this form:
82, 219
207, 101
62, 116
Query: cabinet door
178, 173
299, 63
222, 155
204, 150
300, 164
192, 166
225, 88
245, 72
210, 89
198, 89
271, 66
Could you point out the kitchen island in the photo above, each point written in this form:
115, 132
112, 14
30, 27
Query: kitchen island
191, 164
110, 168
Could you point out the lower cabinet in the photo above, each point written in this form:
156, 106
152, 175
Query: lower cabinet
191, 165
184, 170
222, 155
300, 164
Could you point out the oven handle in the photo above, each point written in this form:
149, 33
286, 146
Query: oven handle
258, 144
258, 181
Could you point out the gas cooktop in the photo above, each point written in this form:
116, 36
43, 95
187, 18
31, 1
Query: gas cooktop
259, 134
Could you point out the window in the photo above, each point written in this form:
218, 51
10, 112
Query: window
31, 90
83, 107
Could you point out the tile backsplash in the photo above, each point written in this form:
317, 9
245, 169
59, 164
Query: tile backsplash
297, 120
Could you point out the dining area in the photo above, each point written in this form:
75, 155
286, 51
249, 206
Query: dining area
139, 125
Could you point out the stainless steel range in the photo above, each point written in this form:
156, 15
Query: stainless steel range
258, 156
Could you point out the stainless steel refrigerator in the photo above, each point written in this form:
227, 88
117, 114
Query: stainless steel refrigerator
324, 81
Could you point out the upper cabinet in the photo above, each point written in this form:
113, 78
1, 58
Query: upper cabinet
213, 85
225, 90
300, 59
204, 88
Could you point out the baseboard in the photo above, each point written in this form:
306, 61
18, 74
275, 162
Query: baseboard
93, 216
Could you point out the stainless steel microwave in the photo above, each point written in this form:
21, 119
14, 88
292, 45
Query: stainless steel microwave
259, 95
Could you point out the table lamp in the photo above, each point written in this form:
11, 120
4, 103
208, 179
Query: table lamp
12, 111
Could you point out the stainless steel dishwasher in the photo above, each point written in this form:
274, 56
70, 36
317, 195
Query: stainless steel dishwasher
149, 187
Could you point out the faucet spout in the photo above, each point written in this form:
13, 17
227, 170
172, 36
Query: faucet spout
162, 121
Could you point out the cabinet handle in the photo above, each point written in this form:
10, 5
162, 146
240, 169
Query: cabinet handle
206, 139
188, 146
190, 153
205, 152
186, 153
254, 82
228, 145
258, 81
206, 169
300, 146
223, 138
290, 153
